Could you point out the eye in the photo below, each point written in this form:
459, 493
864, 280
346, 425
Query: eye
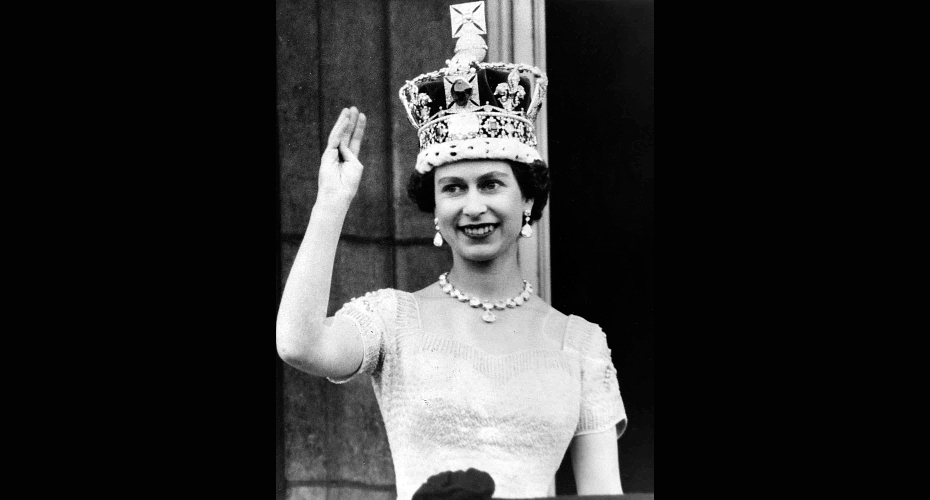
491, 185
452, 188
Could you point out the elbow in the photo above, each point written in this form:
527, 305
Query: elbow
294, 355
295, 344
286, 341
286, 353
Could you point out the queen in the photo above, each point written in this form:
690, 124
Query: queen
473, 371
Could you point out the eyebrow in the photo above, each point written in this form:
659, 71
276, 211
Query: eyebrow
493, 174
483, 177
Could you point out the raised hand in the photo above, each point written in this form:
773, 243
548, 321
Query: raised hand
340, 170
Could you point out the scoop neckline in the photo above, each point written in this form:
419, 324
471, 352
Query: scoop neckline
422, 331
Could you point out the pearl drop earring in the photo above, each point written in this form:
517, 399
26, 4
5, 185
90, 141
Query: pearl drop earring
437, 240
527, 231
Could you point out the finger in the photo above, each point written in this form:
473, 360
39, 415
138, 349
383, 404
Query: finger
347, 155
336, 133
349, 127
356, 143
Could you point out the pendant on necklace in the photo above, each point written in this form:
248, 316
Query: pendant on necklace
488, 306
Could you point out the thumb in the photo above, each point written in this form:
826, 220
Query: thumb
330, 155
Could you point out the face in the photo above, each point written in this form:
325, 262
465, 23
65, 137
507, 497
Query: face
480, 207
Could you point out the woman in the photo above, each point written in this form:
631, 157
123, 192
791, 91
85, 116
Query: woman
472, 371
455, 390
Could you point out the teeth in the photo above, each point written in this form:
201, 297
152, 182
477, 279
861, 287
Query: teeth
478, 231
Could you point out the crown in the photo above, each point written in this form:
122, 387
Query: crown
472, 109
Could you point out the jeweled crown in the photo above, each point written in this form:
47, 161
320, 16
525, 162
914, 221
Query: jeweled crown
471, 109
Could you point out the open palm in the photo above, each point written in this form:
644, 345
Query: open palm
340, 170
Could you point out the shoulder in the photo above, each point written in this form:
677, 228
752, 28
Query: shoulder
581, 334
376, 295
554, 322
429, 292
554, 314
376, 301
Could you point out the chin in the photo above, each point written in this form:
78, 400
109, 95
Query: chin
482, 253
479, 256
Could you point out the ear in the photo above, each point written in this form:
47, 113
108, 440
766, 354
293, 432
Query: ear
528, 204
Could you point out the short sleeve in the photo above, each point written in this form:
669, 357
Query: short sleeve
601, 404
372, 315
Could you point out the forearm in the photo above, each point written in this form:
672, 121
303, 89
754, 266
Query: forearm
306, 293
301, 335
596, 463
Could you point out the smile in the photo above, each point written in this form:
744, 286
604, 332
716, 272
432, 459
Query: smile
478, 230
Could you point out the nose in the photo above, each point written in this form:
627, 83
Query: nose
474, 205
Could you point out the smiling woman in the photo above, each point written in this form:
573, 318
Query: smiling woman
474, 370
479, 209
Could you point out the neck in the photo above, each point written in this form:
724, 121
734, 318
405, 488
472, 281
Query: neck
496, 279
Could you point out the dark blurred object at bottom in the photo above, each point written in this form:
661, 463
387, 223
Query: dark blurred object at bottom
472, 484
628, 496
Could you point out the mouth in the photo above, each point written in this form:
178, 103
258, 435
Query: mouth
478, 230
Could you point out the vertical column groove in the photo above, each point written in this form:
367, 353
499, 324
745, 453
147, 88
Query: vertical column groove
319, 78
389, 133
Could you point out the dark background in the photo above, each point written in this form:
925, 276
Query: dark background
601, 60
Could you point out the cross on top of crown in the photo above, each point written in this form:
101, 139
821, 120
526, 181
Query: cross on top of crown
468, 19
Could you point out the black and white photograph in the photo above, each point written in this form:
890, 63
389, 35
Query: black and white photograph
465, 273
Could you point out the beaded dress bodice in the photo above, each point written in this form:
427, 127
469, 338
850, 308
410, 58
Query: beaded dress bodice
451, 406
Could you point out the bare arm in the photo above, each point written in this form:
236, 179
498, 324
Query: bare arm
595, 462
305, 339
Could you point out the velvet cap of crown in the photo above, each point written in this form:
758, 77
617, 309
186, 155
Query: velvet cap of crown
472, 110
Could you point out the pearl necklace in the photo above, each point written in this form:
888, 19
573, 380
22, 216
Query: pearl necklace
488, 316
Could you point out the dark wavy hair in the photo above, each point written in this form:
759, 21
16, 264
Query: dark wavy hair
533, 179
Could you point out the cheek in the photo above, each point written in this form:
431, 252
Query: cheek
444, 210
517, 207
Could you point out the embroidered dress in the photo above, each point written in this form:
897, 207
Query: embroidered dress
450, 406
